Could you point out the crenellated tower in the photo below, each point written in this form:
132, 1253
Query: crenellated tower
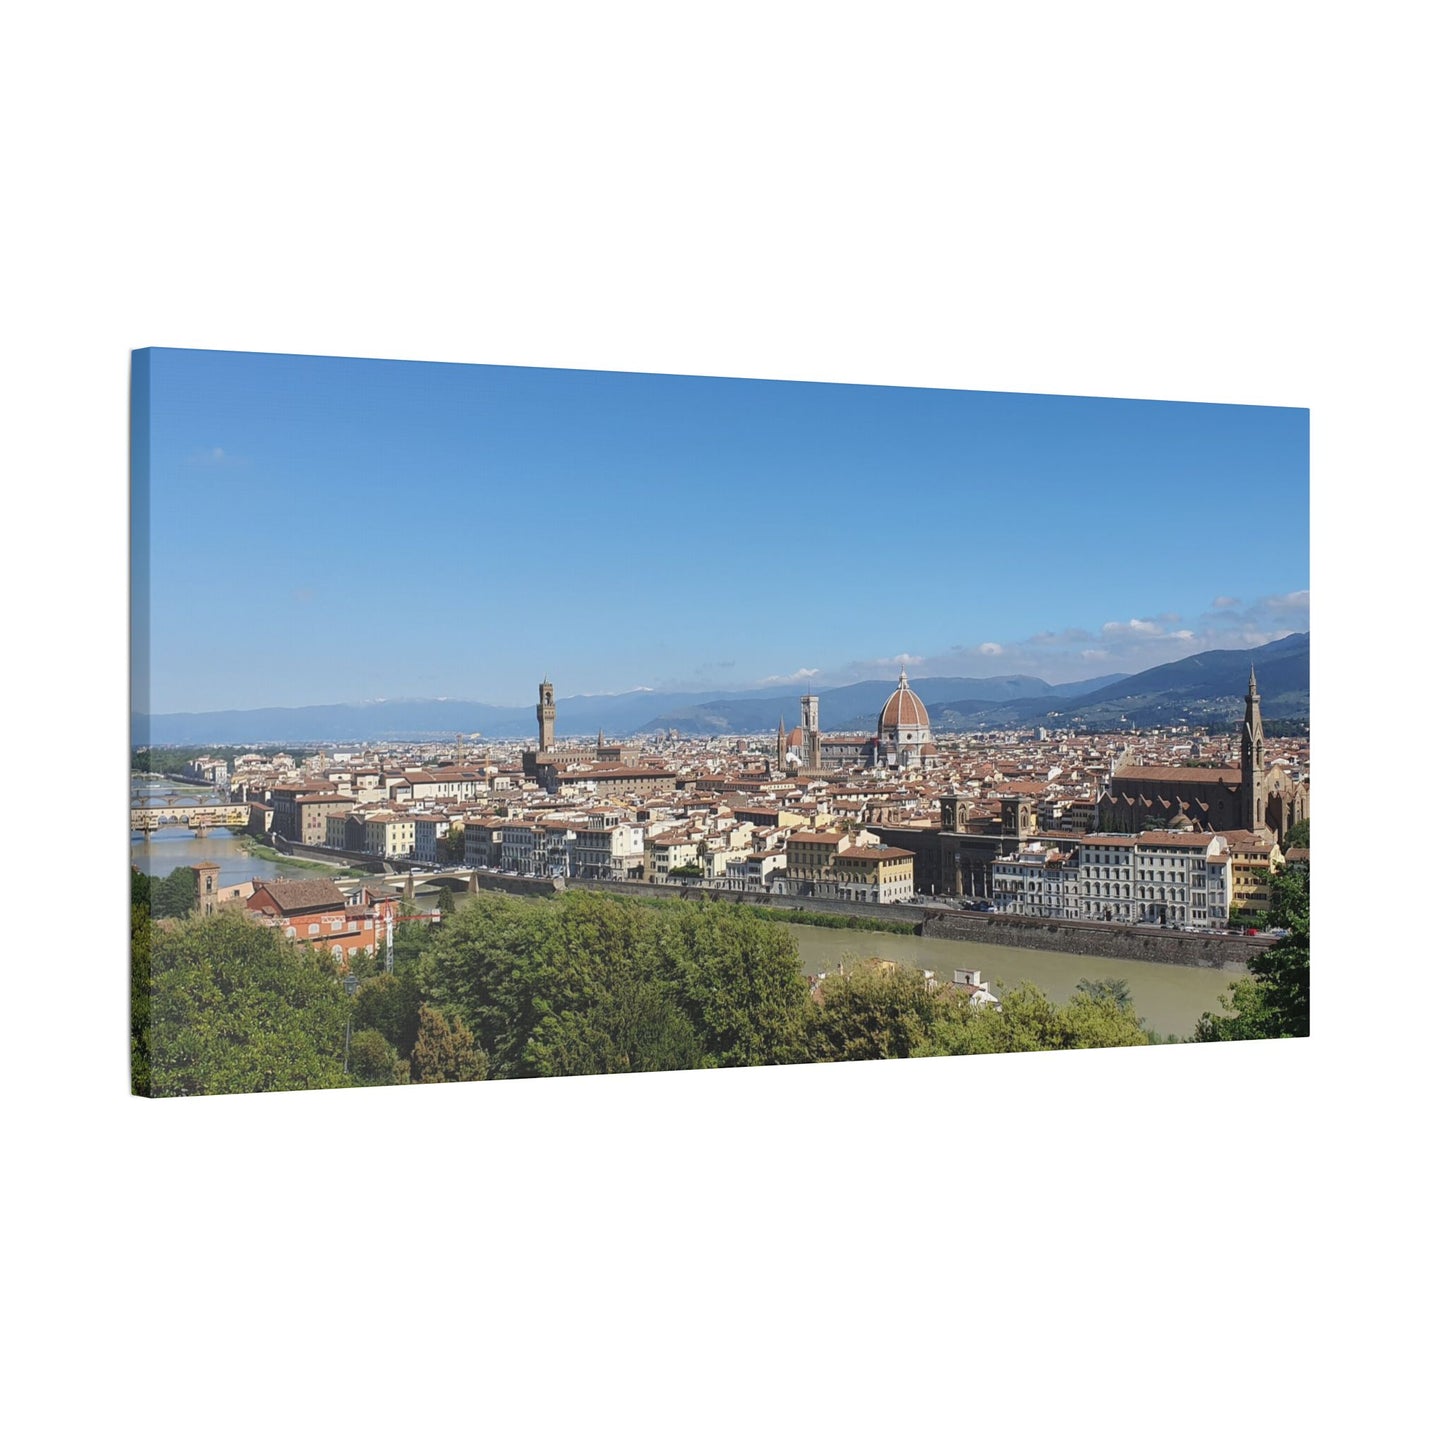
546, 717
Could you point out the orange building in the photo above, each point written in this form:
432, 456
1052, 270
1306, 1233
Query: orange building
313, 911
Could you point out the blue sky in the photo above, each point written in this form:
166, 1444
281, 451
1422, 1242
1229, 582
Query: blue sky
338, 530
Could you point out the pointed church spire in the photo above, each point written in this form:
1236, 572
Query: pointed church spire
1251, 756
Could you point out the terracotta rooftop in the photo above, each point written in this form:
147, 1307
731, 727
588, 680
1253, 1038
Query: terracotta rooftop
1184, 778
302, 894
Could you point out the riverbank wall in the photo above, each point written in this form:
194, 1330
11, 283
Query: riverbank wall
1146, 945
343, 858
884, 912
520, 887
1143, 945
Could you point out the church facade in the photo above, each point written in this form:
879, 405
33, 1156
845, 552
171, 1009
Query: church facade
1257, 797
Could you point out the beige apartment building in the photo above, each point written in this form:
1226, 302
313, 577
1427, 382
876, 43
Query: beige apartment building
660, 855
874, 874
391, 835
1256, 861
856, 866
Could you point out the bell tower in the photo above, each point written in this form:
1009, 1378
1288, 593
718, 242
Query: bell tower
1251, 758
812, 737
546, 717
208, 887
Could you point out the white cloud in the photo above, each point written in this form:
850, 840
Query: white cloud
1290, 602
1069, 653
213, 456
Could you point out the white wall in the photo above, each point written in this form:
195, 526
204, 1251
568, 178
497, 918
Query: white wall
1113, 200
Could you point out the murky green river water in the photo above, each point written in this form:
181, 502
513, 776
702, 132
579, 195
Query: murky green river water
1169, 997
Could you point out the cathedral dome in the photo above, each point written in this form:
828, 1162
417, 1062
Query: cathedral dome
904, 709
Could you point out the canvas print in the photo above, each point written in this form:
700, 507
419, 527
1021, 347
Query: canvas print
498, 722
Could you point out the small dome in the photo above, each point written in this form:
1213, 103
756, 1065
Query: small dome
904, 709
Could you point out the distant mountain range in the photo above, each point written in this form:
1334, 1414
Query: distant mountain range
854, 708
1205, 688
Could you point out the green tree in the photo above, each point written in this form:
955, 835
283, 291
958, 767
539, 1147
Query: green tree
452, 846
390, 1004
1298, 836
489, 961
363, 964
140, 982
174, 896
1105, 988
872, 1012
409, 942
740, 981
1273, 1001
236, 1008
445, 1051
1099, 1023
875, 1013
539, 981
374, 1061
1026, 1022
632, 1026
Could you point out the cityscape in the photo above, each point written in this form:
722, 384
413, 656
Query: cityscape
898, 864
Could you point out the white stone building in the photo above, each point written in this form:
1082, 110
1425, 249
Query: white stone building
609, 845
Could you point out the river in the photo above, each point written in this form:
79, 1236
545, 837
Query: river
169, 848
1168, 997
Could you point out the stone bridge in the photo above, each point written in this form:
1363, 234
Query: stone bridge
196, 816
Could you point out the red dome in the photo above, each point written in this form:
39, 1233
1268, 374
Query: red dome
904, 709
